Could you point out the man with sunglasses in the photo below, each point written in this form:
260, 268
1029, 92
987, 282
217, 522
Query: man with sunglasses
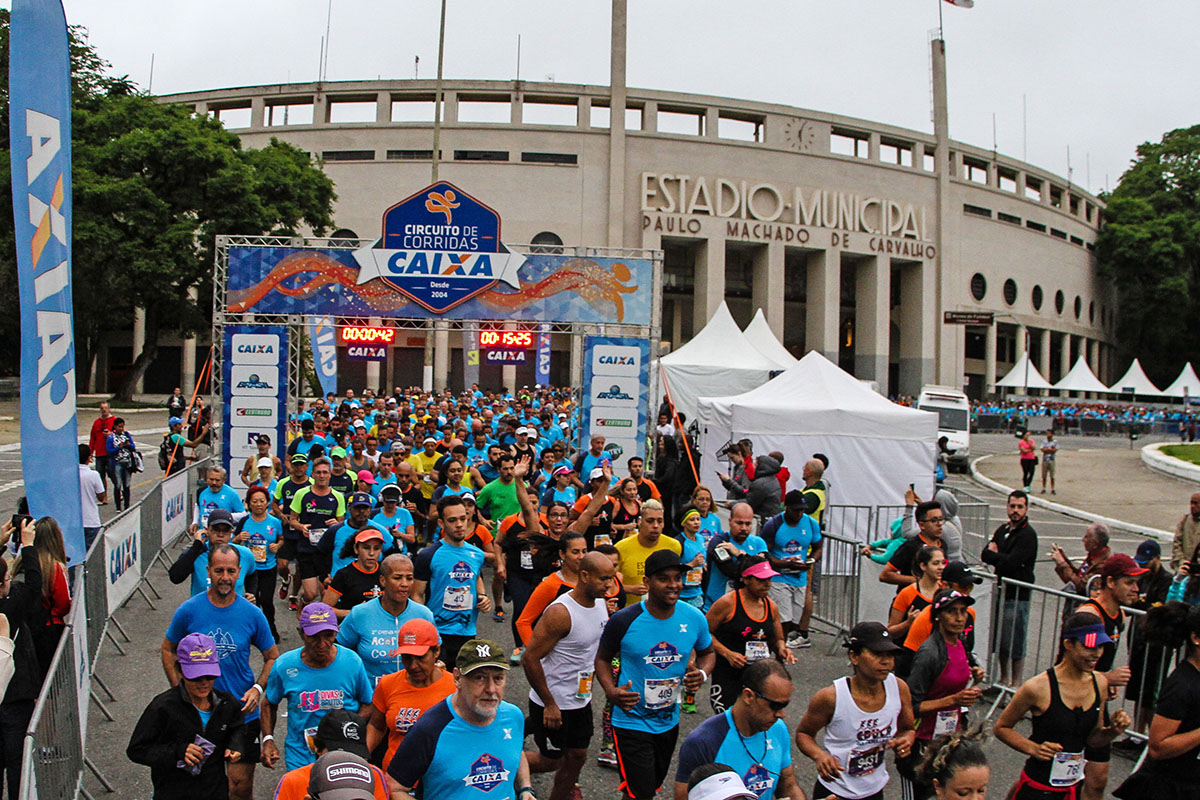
930, 518
751, 737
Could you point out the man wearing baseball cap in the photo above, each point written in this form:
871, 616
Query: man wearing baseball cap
252, 463
654, 639
333, 543
341, 771
401, 697
193, 562
314, 679
1148, 666
471, 742
793, 545
341, 480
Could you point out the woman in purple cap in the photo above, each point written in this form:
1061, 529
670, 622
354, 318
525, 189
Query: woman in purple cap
188, 733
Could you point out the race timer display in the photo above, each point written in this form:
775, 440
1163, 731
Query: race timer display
508, 340
359, 334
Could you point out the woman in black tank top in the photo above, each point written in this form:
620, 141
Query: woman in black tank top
746, 628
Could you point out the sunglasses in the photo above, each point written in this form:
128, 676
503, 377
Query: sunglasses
775, 705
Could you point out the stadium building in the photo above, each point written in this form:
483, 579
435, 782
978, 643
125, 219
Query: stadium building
854, 237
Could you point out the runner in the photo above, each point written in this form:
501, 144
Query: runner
751, 737
745, 628
956, 576
250, 467
261, 534
193, 562
940, 684
358, 581
395, 518
654, 640
340, 740
793, 546
337, 543
956, 767
403, 696
1067, 703
710, 523
863, 716
281, 504
927, 568
449, 579
692, 554
372, 628
217, 494
469, 742
600, 531
560, 665
636, 550
725, 548
314, 679
315, 509
236, 625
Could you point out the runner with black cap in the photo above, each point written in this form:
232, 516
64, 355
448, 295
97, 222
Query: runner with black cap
864, 716
960, 578
654, 639
471, 742
281, 504
338, 542
1069, 715
341, 744
314, 510
193, 562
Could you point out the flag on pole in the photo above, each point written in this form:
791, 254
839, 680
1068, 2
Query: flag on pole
322, 336
39, 79
962, 3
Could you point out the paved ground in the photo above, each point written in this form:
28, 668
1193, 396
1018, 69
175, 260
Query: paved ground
137, 676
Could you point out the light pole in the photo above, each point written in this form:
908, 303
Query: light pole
437, 97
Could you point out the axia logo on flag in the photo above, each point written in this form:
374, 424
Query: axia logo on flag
461, 572
440, 247
662, 655
486, 773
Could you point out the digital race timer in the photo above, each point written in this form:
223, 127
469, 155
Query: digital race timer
509, 340
361, 334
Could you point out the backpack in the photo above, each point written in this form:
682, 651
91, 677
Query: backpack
164, 453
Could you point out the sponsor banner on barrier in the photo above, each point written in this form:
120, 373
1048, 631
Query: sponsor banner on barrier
255, 393
616, 393
39, 114
83, 668
122, 558
174, 507
470, 351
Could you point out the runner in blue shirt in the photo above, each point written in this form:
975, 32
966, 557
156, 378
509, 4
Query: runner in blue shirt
193, 562
314, 679
305, 441
654, 640
793, 545
739, 541
449, 579
692, 555
395, 518
751, 737
262, 535
333, 542
371, 628
235, 624
469, 745
217, 494
710, 523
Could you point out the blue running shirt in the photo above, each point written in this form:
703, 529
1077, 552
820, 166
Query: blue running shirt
758, 759
371, 632
450, 573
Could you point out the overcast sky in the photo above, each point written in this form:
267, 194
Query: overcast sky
1098, 76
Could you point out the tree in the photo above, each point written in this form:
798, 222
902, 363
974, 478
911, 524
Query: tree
1150, 249
153, 186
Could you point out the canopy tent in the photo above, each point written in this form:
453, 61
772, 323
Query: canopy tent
875, 447
1134, 381
1186, 385
1081, 379
1023, 375
763, 338
719, 360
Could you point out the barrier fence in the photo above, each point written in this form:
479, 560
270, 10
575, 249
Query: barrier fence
1074, 426
115, 569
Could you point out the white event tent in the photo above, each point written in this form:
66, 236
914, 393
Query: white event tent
1023, 375
763, 338
1134, 381
1186, 385
1081, 379
876, 448
719, 360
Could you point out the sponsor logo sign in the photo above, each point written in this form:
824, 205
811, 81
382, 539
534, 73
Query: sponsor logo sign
486, 773
367, 352
662, 655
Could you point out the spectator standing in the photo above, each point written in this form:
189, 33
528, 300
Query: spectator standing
1012, 552
20, 602
187, 733
1049, 459
121, 448
1187, 534
92, 495
49, 619
176, 404
98, 443
725, 548
762, 492
176, 441
1027, 455
1097, 551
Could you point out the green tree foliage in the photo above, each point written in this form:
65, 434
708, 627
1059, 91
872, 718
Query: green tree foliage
153, 186
1150, 249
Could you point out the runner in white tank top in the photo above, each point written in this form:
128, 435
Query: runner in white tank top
852, 763
559, 662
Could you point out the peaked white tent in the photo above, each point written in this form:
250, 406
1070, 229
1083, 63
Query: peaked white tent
876, 448
1134, 381
1023, 375
1187, 384
1081, 379
719, 360
763, 338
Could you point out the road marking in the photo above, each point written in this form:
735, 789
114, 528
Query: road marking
15, 447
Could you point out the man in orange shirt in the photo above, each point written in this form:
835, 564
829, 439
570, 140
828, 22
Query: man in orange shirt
645, 487
340, 732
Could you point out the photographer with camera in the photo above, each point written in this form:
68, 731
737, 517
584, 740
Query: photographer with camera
1186, 586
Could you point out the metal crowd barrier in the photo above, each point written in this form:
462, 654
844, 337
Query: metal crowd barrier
115, 569
1048, 609
975, 516
836, 605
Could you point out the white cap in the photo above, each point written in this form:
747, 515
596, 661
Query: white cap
265, 461
522, 430
533, 434
722, 786
597, 472
429, 439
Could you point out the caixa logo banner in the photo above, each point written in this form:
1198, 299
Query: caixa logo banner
440, 247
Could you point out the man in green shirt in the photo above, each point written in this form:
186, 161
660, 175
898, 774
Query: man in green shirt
498, 499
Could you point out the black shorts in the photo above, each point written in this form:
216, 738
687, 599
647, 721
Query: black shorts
644, 760
1101, 755
253, 747
287, 550
574, 734
313, 565
821, 791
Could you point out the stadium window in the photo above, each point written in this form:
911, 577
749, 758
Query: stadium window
892, 152
288, 114
1010, 291
978, 286
1092, 311
481, 155
409, 155
413, 109
1055, 232
349, 111
1012, 219
975, 171
1056, 196
978, 211
849, 143
550, 158
484, 109
546, 242
347, 155
1078, 306
1035, 226
1033, 189
1059, 301
1088, 208
742, 129
688, 122
1074, 206
1077, 240
1037, 298
928, 162
238, 117
633, 118
547, 112
1008, 180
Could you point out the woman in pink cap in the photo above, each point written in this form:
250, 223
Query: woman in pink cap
745, 627
188, 733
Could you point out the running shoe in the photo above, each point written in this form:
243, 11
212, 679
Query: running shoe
801, 641
515, 658
792, 641
576, 793
293, 604
498, 615
283, 592
688, 708
607, 757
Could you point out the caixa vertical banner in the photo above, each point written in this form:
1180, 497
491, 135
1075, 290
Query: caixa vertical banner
616, 394
543, 356
256, 362
39, 81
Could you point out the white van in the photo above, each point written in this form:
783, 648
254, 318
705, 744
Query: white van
954, 422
